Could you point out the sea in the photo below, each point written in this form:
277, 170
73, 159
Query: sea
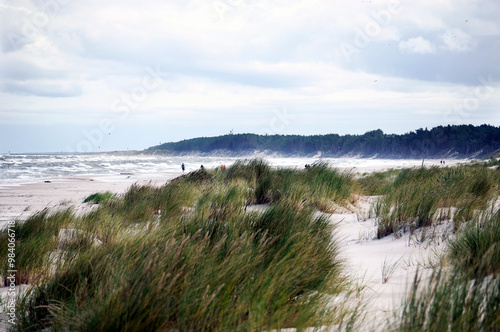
18, 169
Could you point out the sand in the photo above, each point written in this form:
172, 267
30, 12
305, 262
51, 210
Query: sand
21, 201
365, 257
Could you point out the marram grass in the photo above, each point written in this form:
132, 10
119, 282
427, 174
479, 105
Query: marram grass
448, 301
464, 294
188, 256
414, 196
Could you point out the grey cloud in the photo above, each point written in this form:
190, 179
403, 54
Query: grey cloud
443, 66
17, 30
12, 41
177, 57
461, 54
111, 44
41, 89
17, 69
456, 40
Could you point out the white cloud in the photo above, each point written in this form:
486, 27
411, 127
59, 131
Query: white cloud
417, 45
259, 54
456, 40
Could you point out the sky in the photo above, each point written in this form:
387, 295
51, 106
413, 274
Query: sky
90, 76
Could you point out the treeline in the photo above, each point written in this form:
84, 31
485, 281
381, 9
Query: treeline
457, 141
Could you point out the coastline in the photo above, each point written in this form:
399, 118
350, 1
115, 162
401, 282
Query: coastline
22, 199
19, 201
364, 255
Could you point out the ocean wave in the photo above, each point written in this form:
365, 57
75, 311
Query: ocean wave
28, 168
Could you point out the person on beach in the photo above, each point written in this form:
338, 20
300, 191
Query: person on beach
183, 167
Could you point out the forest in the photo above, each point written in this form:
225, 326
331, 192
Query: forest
452, 141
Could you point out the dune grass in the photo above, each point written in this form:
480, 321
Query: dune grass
208, 279
465, 294
411, 198
319, 186
450, 302
36, 238
476, 248
188, 256
99, 197
376, 183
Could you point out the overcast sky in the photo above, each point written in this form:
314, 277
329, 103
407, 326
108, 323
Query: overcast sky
124, 74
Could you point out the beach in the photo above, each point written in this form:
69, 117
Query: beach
22, 200
381, 269
363, 254
18, 200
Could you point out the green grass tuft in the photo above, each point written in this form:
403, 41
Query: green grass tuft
99, 197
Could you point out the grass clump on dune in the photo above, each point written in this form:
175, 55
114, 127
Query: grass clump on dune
99, 197
376, 183
450, 302
188, 256
465, 295
463, 292
476, 248
415, 195
205, 279
319, 186
36, 238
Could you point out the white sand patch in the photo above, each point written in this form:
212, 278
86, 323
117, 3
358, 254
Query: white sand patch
21, 201
383, 269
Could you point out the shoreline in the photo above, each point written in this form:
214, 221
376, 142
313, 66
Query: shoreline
18, 202
17, 172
